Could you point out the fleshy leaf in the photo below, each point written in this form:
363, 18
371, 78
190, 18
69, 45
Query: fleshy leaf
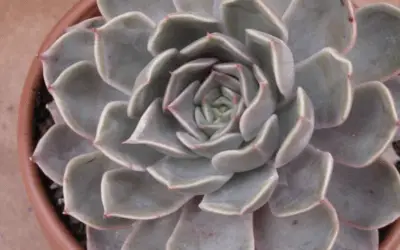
182, 108
82, 191
356, 239
209, 148
329, 23
152, 81
155, 9
113, 129
106, 239
278, 6
325, 77
205, 7
239, 15
197, 229
376, 186
137, 195
120, 49
70, 48
296, 123
220, 46
214, 80
244, 193
55, 112
258, 112
192, 176
253, 155
276, 60
376, 55
81, 95
186, 74
152, 234
306, 181
314, 229
91, 23
187, 26
248, 84
56, 148
393, 85
367, 131
390, 155
158, 130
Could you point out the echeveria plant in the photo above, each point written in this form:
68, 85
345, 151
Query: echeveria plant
237, 124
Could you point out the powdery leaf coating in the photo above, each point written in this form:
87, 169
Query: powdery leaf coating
244, 193
55, 112
356, 239
192, 25
239, 15
367, 131
106, 239
303, 183
155, 9
192, 176
278, 6
204, 7
197, 229
315, 229
56, 148
152, 234
82, 197
352, 189
81, 95
375, 55
91, 23
138, 196
329, 23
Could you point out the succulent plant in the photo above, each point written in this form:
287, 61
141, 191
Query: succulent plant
237, 124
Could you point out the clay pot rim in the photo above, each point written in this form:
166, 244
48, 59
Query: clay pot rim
55, 231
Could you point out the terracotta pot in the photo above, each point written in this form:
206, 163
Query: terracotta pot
55, 231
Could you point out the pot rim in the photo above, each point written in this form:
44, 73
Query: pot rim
53, 228
56, 233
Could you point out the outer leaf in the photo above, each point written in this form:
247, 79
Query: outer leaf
120, 49
183, 76
55, 112
329, 23
315, 229
220, 46
197, 229
377, 186
276, 60
192, 176
325, 77
239, 15
304, 185
394, 87
205, 7
255, 154
278, 6
137, 195
70, 48
82, 194
152, 81
296, 123
113, 129
367, 131
158, 130
152, 234
56, 148
90, 23
209, 148
81, 95
376, 48
155, 9
390, 155
355, 239
191, 25
106, 239
244, 193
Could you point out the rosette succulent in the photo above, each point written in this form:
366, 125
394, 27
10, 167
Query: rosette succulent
236, 124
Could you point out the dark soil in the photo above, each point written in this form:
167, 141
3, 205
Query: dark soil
42, 121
